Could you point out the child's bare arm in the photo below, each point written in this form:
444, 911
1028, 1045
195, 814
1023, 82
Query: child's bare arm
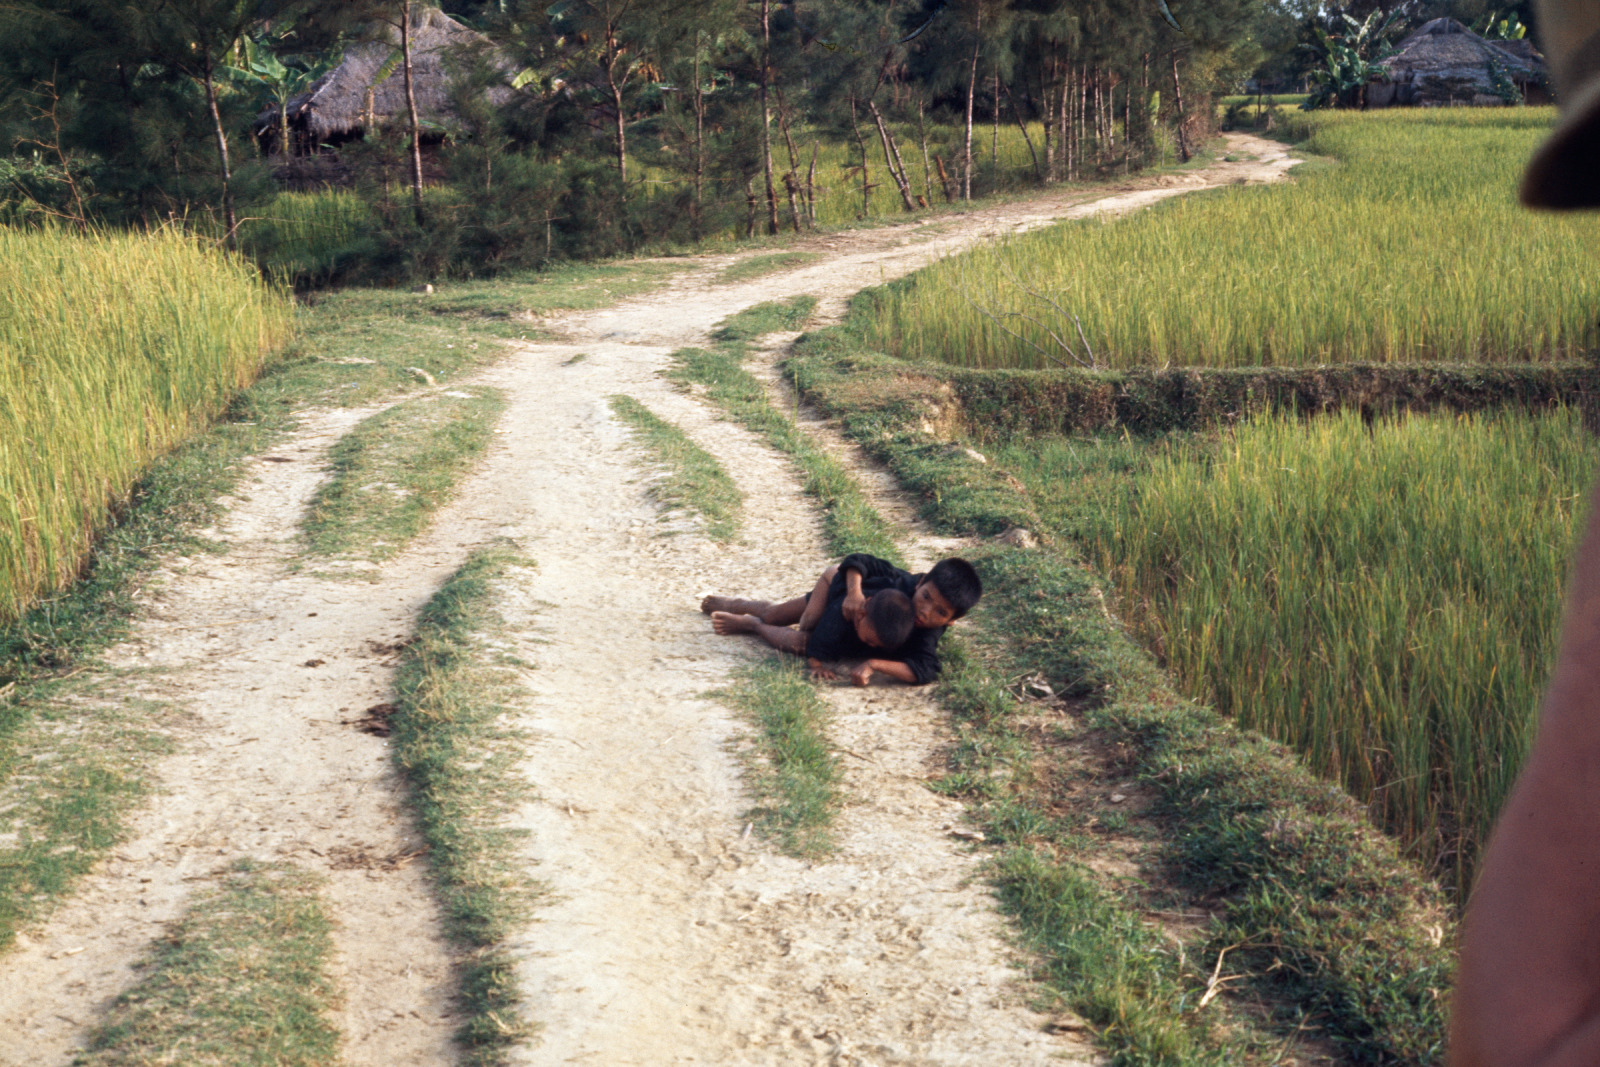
818, 601
855, 601
862, 675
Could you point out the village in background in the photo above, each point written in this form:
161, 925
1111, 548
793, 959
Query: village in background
483, 136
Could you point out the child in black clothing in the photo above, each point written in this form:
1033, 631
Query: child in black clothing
882, 625
938, 598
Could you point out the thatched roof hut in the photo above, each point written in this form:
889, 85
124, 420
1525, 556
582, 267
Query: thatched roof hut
359, 93
1443, 63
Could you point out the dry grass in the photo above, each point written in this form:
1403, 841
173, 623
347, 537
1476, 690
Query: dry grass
113, 349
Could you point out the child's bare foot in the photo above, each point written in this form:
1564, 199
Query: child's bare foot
730, 622
735, 605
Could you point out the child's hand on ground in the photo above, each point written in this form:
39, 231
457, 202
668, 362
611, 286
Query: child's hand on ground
862, 675
821, 673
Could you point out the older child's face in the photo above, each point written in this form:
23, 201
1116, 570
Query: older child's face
933, 610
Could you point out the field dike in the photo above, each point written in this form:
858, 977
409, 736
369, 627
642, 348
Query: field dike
667, 929
1111, 795
988, 405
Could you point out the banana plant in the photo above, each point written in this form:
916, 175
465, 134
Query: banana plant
255, 66
1350, 60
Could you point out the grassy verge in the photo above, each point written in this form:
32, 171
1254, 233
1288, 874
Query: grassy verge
1117, 802
695, 481
74, 753
241, 982
758, 266
395, 469
794, 773
453, 743
849, 522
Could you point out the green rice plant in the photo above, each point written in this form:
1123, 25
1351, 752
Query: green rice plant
113, 349
1383, 598
1410, 249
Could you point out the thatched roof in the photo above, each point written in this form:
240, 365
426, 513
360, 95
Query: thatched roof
342, 101
1445, 49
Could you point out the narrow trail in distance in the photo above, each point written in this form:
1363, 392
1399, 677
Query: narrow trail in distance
671, 934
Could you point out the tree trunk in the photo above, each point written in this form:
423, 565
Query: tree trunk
1127, 123
1177, 96
766, 116
750, 203
697, 206
994, 139
927, 168
226, 168
1083, 112
811, 187
1023, 126
891, 158
791, 180
944, 179
411, 112
1048, 114
1068, 96
866, 184
621, 134
793, 188
972, 89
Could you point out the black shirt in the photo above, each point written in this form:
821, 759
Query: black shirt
921, 650
834, 637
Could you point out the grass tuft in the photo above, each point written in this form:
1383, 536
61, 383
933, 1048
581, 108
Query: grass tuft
759, 266
242, 981
694, 480
395, 469
850, 524
452, 740
795, 774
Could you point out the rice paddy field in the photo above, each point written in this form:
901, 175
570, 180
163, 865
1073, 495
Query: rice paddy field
1384, 598
113, 349
1402, 242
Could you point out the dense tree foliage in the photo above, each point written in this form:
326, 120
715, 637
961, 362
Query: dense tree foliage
632, 121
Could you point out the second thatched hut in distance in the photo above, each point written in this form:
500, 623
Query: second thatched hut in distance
1444, 63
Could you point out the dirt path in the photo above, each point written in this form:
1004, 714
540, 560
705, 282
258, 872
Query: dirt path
672, 935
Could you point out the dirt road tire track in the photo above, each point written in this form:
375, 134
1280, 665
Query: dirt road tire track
673, 937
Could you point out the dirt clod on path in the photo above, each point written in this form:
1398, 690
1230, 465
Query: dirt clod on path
672, 936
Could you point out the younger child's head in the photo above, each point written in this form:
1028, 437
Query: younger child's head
888, 620
946, 593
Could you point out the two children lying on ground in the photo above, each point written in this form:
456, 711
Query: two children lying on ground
865, 609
